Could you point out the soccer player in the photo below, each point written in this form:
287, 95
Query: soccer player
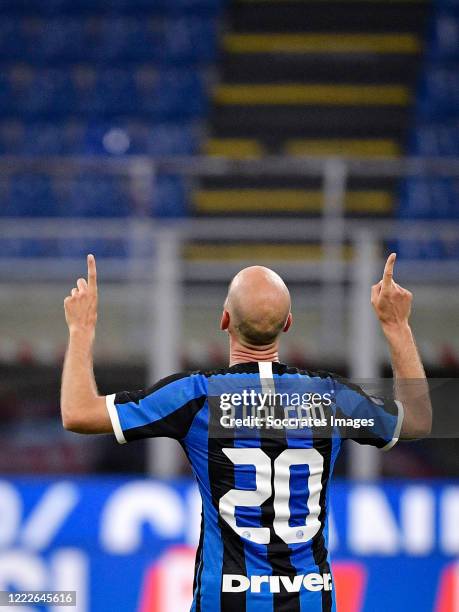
264, 490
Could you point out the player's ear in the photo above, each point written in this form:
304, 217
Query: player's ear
225, 320
288, 322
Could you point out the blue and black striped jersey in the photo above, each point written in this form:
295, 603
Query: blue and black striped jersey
262, 440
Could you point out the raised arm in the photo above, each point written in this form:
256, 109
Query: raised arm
83, 410
392, 305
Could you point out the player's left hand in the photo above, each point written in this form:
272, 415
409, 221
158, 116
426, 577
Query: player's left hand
391, 302
81, 305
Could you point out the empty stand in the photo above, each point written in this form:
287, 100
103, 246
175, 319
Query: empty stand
435, 133
101, 78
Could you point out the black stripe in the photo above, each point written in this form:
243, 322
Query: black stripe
124, 397
174, 425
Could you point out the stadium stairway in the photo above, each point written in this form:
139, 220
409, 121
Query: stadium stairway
310, 78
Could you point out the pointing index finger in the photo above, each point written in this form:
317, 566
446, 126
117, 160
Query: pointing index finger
92, 273
388, 271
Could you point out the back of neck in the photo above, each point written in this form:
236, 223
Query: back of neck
240, 353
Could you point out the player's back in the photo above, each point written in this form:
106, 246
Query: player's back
262, 439
263, 481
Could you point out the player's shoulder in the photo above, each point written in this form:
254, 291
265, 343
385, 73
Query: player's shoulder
191, 382
319, 376
309, 373
340, 382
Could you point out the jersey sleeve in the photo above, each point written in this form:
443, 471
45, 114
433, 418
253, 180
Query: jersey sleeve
166, 409
367, 419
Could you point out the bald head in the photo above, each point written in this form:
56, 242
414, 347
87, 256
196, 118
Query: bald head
258, 305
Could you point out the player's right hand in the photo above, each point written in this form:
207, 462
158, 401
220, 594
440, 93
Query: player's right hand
81, 305
391, 302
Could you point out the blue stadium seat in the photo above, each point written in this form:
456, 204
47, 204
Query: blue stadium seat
188, 5
107, 139
5, 94
436, 134
448, 4
126, 39
421, 249
93, 195
170, 197
43, 139
60, 39
187, 40
174, 95
27, 247
12, 42
429, 198
173, 6
52, 7
445, 40
12, 135
439, 95
436, 139
114, 94
172, 139
30, 195
100, 77
102, 248
50, 94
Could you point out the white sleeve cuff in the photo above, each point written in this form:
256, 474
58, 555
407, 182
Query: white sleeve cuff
398, 427
113, 414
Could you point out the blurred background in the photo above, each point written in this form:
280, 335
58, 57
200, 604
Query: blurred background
179, 141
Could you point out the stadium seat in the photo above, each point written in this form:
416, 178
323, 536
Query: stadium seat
30, 195
106, 78
436, 139
172, 95
445, 40
53, 7
172, 139
167, 5
421, 249
5, 94
113, 94
169, 197
109, 139
93, 195
436, 134
102, 248
43, 139
49, 94
187, 40
430, 198
125, 39
439, 95
59, 40
122, 39
11, 39
14, 247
